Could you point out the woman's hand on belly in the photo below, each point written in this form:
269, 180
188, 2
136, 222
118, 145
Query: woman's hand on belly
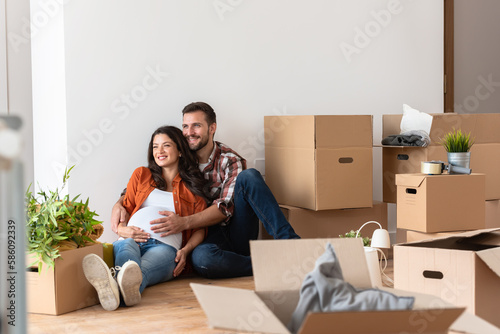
134, 232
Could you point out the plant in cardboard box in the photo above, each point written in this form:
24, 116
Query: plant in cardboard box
458, 145
56, 223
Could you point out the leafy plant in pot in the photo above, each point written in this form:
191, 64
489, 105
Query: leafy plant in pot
352, 234
458, 145
56, 223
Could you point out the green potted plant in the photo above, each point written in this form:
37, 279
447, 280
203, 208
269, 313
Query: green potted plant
352, 234
56, 223
458, 145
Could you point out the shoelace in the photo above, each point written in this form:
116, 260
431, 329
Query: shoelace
115, 270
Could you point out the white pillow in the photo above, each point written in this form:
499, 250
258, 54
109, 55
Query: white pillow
414, 120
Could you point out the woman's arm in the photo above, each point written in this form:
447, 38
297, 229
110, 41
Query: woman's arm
134, 232
182, 254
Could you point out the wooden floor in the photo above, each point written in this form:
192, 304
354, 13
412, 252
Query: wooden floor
169, 307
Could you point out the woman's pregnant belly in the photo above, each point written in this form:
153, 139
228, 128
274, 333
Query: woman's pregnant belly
142, 219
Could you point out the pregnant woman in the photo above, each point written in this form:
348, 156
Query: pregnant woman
171, 182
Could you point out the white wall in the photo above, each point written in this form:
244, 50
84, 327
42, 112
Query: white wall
247, 59
477, 54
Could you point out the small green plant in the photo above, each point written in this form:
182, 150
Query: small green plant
457, 141
352, 234
52, 219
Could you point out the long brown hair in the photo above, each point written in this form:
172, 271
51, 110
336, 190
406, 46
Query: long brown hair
188, 163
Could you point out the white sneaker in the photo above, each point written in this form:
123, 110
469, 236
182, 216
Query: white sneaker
99, 275
129, 280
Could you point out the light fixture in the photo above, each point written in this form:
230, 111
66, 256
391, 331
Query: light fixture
380, 237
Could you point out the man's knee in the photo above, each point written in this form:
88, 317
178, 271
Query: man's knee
203, 255
249, 175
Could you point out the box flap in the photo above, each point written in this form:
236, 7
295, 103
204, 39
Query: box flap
472, 324
492, 259
391, 125
283, 264
466, 323
410, 180
462, 235
382, 322
289, 131
340, 131
236, 309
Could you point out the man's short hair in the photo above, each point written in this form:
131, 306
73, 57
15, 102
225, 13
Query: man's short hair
201, 106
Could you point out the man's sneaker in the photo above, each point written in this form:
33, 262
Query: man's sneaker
129, 280
99, 275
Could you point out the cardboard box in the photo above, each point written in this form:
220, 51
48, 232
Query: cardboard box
492, 214
485, 154
440, 203
63, 288
492, 218
279, 269
320, 162
332, 223
462, 269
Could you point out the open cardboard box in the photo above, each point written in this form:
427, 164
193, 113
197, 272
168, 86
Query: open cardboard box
462, 269
63, 288
279, 268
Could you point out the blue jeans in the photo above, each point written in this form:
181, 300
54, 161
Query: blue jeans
155, 259
226, 250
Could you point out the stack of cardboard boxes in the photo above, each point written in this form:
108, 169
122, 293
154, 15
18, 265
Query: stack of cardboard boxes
462, 268
485, 157
320, 170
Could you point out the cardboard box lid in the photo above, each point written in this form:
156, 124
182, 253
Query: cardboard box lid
491, 256
415, 180
458, 235
239, 309
410, 180
382, 322
319, 131
283, 264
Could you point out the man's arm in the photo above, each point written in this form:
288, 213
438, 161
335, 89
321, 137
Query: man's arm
172, 223
118, 214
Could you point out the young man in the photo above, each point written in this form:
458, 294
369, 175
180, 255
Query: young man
240, 199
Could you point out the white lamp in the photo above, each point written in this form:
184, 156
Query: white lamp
380, 239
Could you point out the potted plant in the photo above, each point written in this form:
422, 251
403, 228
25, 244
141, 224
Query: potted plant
56, 223
458, 145
352, 234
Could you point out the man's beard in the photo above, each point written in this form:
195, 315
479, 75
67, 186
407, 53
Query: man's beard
201, 144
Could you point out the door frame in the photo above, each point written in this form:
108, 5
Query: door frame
448, 75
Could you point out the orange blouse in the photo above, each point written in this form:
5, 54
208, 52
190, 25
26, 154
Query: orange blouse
186, 203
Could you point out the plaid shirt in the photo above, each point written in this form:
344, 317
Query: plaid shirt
223, 167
